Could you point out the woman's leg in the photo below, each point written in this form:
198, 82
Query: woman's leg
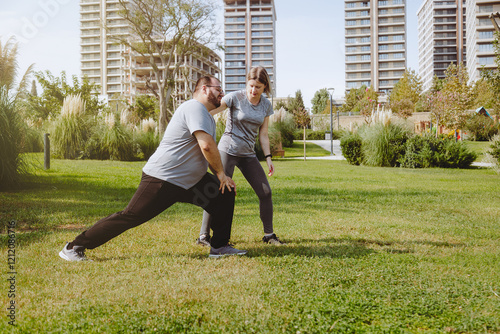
256, 176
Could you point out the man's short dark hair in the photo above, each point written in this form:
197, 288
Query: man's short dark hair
204, 81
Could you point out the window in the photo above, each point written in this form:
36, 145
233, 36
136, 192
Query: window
485, 47
485, 34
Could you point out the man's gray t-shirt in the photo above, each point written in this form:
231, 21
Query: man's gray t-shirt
243, 123
178, 159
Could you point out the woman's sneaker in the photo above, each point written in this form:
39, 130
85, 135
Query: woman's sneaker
272, 239
203, 240
225, 251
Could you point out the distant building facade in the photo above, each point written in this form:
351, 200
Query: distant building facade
375, 43
117, 70
441, 38
249, 40
480, 36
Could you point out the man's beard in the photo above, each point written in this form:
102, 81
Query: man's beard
214, 100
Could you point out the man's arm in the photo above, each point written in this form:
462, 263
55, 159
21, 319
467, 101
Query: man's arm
211, 153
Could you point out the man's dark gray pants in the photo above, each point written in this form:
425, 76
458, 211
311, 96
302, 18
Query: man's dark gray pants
153, 196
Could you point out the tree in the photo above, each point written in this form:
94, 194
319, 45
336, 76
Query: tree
321, 101
55, 90
296, 103
168, 30
406, 94
458, 95
493, 76
302, 119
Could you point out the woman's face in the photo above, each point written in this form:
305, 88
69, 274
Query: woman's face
255, 88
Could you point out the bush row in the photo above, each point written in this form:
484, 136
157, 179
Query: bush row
394, 145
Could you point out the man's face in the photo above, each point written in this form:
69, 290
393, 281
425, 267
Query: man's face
215, 94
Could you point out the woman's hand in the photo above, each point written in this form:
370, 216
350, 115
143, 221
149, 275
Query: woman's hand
270, 165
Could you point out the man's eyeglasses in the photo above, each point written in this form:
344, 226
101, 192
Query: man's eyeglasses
218, 88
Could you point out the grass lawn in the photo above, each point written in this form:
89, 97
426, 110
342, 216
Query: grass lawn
369, 250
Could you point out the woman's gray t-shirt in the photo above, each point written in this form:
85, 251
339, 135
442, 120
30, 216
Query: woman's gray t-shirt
178, 159
243, 123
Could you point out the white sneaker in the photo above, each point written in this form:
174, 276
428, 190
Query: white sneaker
225, 251
77, 253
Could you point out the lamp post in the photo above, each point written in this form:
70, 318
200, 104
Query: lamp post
331, 90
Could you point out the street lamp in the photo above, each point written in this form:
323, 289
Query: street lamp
331, 90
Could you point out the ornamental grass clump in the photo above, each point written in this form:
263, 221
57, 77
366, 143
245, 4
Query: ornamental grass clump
147, 138
11, 137
116, 141
384, 140
70, 129
493, 155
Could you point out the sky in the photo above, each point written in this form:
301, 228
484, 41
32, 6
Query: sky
309, 40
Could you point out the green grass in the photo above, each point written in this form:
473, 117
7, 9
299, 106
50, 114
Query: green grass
297, 150
369, 250
480, 147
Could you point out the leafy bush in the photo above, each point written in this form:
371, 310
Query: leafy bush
316, 135
384, 145
455, 155
351, 145
274, 143
429, 151
481, 128
494, 153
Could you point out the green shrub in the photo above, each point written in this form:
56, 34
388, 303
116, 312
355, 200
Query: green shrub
117, 143
495, 147
481, 128
455, 155
420, 152
351, 145
494, 153
429, 151
384, 145
33, 140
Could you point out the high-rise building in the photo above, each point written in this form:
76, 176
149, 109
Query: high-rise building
101, 57
249, 39
480, 36
375, 43
120, 72
441, 38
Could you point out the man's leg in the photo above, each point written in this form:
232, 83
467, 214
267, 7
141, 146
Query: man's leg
152, 197
228, 161
206, 194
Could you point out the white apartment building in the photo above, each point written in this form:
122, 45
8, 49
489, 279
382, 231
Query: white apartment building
480, 35
441, 38
122, 73
101, 57
375, 43
249, 40
138, 72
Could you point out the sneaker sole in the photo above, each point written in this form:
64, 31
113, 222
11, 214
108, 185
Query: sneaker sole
222, 255
63, 256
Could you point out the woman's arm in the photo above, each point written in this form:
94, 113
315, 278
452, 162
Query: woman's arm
222, 107
264, 143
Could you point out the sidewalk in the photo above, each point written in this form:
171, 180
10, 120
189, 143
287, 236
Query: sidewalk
337, 151
325, 144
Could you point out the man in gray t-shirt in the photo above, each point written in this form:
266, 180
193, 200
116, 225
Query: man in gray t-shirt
176, 172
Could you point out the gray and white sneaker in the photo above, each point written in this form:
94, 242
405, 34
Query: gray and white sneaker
203, 240
77, 253
225, 251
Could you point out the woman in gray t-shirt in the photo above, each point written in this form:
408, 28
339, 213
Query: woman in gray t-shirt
248, 117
